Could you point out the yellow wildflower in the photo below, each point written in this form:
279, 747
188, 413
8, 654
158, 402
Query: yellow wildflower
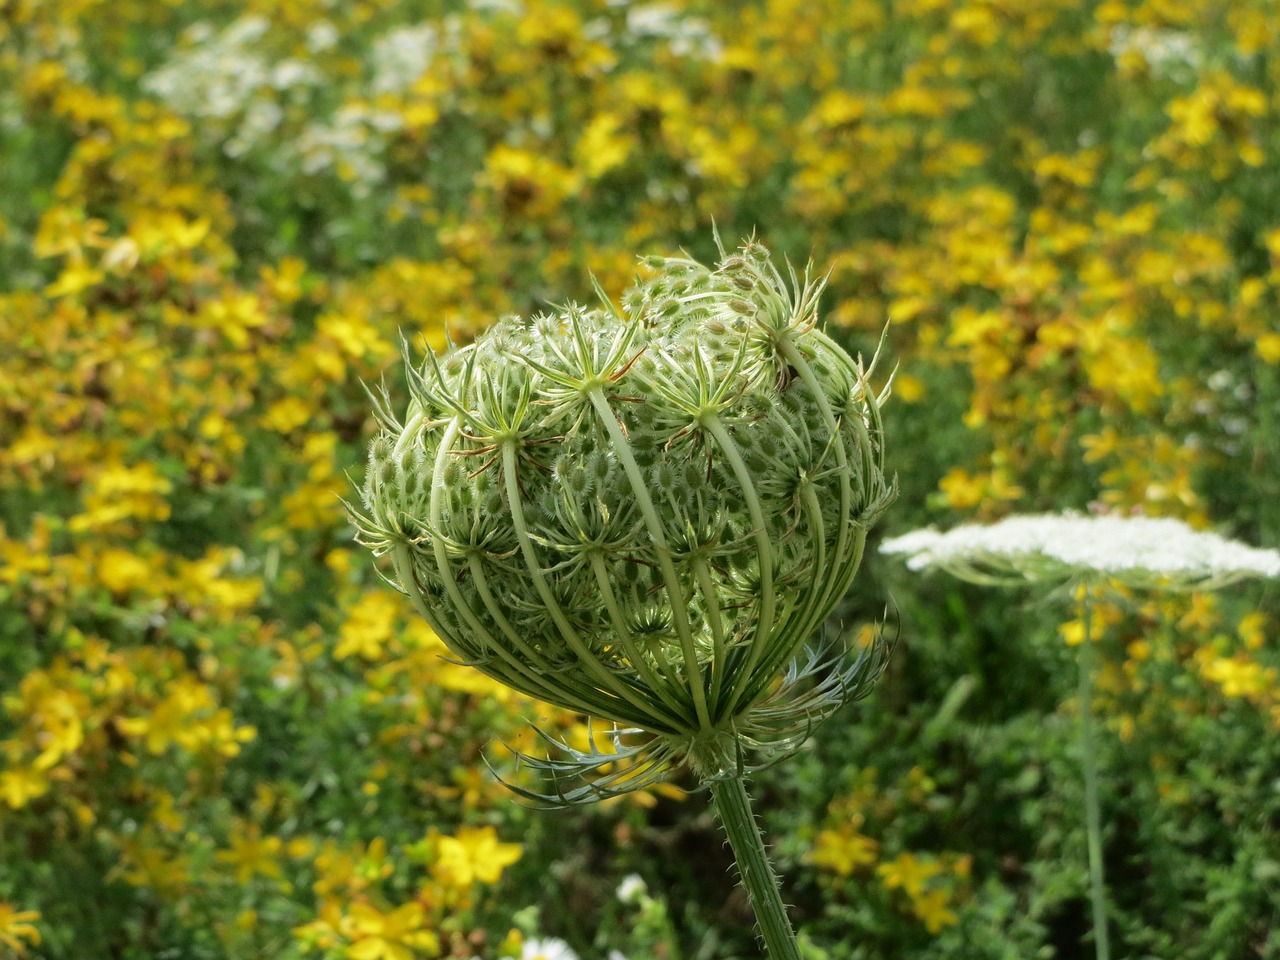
234, 316
1252, 630
843, 851
908, 388
473, 855
76, 277
61, 731
932, 908
251, 853
144, 865
370, 624
118, 493
15, 927
603, 145
285, 281
122, 571
962, 489
323, 932
286, 415
908, 872
1268, 347
1238, 676
397, 935
20, 786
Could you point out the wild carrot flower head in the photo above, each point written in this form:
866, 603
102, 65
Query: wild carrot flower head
1139, 551
641, 515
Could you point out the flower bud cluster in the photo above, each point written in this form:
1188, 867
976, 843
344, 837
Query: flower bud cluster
641, 514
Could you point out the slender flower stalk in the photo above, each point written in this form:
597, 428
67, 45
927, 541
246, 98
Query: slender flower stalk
1087, 552
1089, 766
646, 515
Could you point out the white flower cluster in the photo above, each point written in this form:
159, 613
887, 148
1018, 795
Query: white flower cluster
402, 55
1169, 52
244, 97
222, 77
553, 948
1141, 551
686, 36
632, 889
547, 949
351, 144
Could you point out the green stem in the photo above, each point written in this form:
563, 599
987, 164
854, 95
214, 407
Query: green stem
733, 806
1093, 815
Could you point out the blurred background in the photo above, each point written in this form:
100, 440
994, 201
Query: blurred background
222, 736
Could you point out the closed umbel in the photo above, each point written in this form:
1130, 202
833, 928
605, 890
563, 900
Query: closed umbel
641, 515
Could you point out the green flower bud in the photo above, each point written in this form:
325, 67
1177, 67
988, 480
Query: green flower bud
641, 516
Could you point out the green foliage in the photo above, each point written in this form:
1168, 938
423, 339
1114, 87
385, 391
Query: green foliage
221, 735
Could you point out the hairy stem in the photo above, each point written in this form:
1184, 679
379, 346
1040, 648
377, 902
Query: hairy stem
733, 806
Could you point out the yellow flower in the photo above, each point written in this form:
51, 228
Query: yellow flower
19, 787
76, 277
321, 933
842, 851
397, 935
234, 316
170, 721
963, 490
839, 108
61, 730
152, 867
251, 853
370, 623
1268, 347
285, 416
1252, 629
474, 854
118, 492
1072, 632
932, 908
159, 234
122, 571
528, 182
16, 926
353, 335
285, 281
603, 145
1238, 676
1203, 613
908, 872
908, 388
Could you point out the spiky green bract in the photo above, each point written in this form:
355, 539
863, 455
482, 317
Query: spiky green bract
640, 515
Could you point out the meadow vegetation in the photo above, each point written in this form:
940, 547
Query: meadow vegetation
223, 736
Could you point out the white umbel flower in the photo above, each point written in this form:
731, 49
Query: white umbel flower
631, 889
1139, 551
548, 949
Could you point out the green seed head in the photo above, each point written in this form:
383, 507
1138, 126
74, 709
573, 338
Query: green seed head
642, 516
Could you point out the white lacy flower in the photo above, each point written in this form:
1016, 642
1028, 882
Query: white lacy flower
401, 56
688, 36
321, 36
549, 949
1166, 51
1141, 551
235, 90
631, 889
